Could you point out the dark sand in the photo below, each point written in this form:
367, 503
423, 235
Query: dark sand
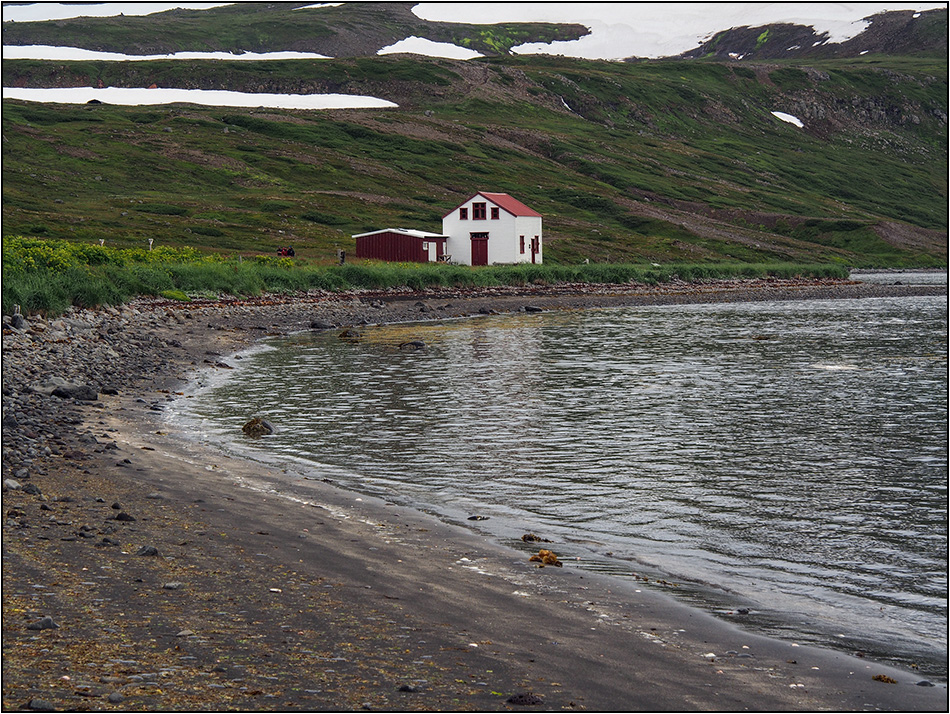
316, 598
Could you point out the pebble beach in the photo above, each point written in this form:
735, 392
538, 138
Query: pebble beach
142, 571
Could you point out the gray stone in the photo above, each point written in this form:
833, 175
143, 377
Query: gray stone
147, 550
10, 485
42, 705
525, 699
83, 392
258, 427
44, 623
116, 698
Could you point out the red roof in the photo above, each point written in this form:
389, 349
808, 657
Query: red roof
503, 200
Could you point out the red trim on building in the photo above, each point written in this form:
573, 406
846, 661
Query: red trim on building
510, 204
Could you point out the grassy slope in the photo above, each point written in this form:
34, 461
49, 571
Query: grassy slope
656, 161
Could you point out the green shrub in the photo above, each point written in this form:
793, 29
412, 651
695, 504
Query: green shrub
207, 231
161, 209
175, 295
275, 206
327, 219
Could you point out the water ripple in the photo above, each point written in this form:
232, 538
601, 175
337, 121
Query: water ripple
793, 454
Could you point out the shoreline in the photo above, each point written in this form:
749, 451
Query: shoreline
320, 598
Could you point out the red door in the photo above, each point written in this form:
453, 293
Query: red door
479, 249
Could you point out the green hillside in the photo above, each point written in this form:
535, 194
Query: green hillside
646, 161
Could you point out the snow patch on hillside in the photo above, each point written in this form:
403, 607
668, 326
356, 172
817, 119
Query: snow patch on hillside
660, 29
421, 46
211, 98
788, 118
48, 52
41, 11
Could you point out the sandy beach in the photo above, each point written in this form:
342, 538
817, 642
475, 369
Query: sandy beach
143, 571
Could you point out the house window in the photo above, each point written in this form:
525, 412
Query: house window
494, 213
463, 214
478, 212
522, 245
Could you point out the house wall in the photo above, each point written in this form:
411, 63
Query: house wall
504, 234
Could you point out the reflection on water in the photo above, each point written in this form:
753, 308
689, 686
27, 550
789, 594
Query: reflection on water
902, 277
788, 457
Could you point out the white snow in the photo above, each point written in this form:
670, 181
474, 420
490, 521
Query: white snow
618, 30
422, 46
660, 29
37, 12
789, 118
213, 98
48, 52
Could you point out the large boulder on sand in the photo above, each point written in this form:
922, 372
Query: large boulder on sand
76, 391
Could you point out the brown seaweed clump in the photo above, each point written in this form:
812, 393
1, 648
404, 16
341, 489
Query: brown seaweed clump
545, 557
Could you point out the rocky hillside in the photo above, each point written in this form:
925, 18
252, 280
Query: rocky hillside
895, 33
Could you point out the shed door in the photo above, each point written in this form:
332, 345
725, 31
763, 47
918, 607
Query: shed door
479, 249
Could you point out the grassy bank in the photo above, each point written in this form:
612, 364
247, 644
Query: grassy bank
50, 276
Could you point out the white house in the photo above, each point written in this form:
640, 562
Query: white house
492, 228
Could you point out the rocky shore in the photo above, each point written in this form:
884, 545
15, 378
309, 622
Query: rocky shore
143, 572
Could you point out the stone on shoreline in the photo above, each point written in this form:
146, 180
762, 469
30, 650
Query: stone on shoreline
258, 427
44, 623
83, 392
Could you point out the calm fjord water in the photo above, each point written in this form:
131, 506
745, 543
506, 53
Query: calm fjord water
788, 457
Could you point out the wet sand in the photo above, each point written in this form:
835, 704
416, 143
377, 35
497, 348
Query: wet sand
225, 592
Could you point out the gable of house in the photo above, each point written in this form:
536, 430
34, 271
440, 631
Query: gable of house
503, 200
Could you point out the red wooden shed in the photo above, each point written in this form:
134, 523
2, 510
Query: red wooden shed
401, 244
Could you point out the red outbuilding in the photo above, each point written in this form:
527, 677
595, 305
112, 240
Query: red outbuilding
402, 245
